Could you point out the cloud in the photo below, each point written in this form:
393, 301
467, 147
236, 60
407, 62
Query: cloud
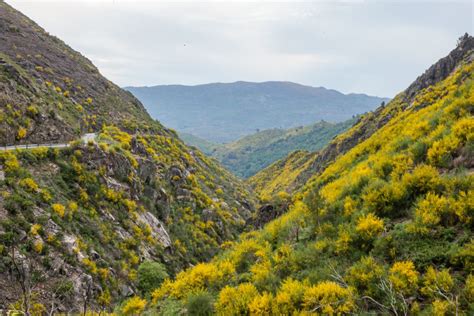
352, 46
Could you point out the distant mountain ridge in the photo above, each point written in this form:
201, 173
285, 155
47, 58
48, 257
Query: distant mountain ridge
224, 112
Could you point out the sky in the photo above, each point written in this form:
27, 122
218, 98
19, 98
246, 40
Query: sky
373, 47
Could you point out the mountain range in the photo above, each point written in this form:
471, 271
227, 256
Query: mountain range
225, 112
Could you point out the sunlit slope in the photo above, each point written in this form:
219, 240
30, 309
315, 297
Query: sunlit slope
281, 175
268, 182
387, 227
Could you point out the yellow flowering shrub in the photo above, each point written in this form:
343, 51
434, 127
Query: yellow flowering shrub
369, 226
34, 229
134, 306
130, 205
40, 152
428, 212
441, 150
58, 209
235, 300
114, 133
289, 297
261, 304
72, 207
37, 309
349, 206
437, 281
403, 276
45, 195
261, 272
38, 245
10, 161
104, 298
382, 197
440, 307
463, 206
248, 251
90, 265
329, 298
344, 239
21, 133
203, 275
423, 179
469, 288
29, 184
365, 274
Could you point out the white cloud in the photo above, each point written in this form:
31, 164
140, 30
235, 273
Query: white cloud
353, 46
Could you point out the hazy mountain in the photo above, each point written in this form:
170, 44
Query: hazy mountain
224, 112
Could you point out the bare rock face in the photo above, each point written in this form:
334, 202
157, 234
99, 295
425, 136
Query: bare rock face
440, 70
158, 230
268, 212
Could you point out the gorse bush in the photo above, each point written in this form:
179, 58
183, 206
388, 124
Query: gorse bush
235, 301
133, 306
329, 298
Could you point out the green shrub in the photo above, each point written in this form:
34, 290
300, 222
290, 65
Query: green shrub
419, 150
150, 276
170, 307
200, 304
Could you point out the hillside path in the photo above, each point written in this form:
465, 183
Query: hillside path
85, 138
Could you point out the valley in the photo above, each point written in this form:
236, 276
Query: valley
271, 198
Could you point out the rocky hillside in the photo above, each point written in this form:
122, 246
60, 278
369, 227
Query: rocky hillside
225, 112
270, 181
81, 226
383, 226
252, 153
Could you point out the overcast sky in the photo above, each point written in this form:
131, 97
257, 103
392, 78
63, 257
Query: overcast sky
374, 47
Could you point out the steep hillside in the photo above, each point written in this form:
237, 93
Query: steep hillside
282, 175
51, 92
384, 228
270, 181
225, 112
80, 225
250, 154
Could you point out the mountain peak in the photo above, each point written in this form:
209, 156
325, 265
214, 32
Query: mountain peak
439, 71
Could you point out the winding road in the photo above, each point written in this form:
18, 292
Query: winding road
85, 138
